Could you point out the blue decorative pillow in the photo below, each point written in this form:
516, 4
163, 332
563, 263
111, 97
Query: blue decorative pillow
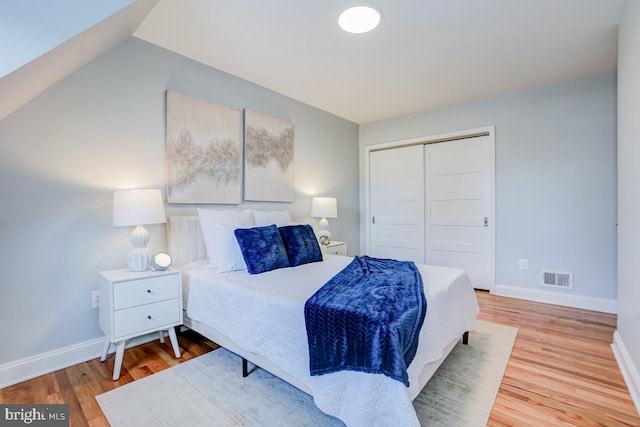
262, 248
301, 244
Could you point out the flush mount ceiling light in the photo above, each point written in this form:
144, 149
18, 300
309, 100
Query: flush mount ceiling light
359, 19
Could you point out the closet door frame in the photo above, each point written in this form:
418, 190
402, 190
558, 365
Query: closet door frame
430, 139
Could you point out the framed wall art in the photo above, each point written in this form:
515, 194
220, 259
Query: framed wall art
204, 151
268, 158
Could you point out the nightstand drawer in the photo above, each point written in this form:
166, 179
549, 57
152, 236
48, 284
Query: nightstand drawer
146, 317
139, 292
335, 248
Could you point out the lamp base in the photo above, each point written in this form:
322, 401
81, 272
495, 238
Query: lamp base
139, 259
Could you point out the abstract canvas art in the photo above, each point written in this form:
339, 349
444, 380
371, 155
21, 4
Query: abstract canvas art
268, 152
204, 151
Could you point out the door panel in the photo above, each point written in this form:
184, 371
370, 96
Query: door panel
459, 196
397, 203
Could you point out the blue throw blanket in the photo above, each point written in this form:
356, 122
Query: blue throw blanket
367, 318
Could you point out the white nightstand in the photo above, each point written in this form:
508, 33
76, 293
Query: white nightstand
138, 303
335, 248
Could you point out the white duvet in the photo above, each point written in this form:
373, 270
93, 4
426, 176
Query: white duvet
265, 314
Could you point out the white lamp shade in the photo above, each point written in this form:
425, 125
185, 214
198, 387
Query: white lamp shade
324, 207
138, 207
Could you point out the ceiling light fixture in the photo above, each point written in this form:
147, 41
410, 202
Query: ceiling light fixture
359, 19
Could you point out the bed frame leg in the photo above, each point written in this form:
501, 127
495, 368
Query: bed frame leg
245, 368
465, 338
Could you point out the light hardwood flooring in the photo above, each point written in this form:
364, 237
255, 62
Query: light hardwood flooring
562, 371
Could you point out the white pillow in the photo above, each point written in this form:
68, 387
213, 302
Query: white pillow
221, 244
229, 255
279, 218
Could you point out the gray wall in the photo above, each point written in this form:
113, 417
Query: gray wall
101, 129
629, 185
555, 177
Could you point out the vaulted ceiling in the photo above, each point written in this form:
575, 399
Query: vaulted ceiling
425, 53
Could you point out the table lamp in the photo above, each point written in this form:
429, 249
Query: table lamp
137, 208
324, 207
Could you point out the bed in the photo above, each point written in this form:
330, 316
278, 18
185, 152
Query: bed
261, 318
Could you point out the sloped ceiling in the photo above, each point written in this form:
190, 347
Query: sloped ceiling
29, 80
424, 54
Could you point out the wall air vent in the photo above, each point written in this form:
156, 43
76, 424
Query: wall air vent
557, 279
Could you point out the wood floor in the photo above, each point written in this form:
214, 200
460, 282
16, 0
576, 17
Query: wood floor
562, 371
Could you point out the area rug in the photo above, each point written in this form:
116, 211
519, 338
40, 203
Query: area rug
210, 391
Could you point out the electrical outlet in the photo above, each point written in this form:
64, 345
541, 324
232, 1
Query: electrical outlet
95, 299
524, 264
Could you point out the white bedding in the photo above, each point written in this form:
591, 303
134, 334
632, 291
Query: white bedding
265, 314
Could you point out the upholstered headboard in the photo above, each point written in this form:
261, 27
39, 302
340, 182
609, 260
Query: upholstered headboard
184, 240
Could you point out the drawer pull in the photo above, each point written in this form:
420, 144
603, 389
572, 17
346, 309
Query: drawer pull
148, 291
149, 317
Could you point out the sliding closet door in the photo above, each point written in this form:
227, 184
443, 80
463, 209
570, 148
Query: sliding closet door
397, 203
460, 226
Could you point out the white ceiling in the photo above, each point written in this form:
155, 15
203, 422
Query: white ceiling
425, 53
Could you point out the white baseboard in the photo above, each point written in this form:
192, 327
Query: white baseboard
557, 298
628, 369
34, 366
